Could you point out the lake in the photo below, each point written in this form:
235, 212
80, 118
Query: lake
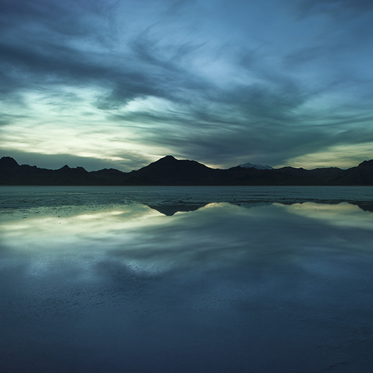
186, 279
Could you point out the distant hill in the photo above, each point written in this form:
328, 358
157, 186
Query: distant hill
170, 171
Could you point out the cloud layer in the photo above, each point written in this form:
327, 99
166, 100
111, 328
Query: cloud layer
122, 83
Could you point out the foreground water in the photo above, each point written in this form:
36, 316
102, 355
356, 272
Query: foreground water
205, 279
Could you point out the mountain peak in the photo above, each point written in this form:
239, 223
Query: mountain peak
168, 158
8, 162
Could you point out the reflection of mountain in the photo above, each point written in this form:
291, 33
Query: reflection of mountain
170, 171
365, 206
170, 210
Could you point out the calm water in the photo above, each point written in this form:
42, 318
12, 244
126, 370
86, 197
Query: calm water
204, 279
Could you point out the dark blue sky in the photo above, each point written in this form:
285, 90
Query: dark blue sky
123, 83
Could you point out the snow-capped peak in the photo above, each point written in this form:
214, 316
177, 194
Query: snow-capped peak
257, 166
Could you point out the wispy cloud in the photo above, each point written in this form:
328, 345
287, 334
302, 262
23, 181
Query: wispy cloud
211, 83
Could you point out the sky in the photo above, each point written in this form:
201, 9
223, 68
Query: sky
122, 83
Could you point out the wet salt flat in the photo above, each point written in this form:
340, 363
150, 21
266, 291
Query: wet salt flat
204, 279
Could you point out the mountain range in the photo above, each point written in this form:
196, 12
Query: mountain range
170, 171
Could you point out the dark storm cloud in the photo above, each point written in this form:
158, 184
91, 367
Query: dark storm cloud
45, 56
50, 62
47, 61
69, 18
33, 46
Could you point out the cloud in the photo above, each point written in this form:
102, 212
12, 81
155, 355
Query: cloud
184, 77
6, 119
130, 161
140, 71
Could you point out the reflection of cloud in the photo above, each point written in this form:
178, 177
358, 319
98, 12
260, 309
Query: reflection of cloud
69, 230
131, 288
218, 235
342, 214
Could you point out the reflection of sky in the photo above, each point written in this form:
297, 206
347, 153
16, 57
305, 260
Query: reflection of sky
342, 214
78, 227
219, 234
271, 288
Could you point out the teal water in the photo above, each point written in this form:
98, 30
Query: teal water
111, 279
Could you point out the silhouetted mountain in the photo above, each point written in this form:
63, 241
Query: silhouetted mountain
8, 163
110, 176
170, 171
11, 173
360, 175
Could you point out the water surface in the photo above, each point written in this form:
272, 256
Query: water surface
205, 279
